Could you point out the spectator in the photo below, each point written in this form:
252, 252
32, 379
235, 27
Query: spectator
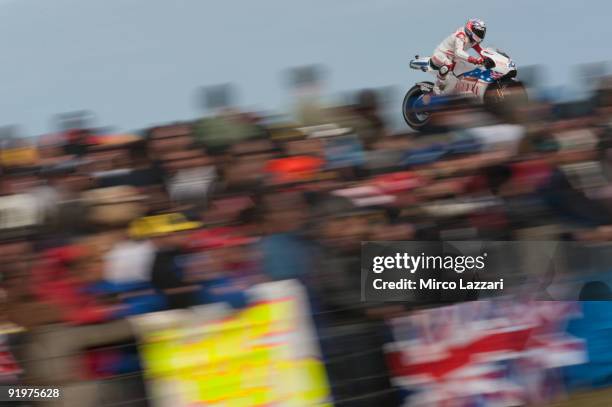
169, 234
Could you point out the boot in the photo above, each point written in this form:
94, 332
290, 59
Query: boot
440, 85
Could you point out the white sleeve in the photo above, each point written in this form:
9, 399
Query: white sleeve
459, 43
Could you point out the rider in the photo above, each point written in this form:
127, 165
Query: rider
455, 46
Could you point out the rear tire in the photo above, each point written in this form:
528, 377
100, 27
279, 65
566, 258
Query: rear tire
419, 121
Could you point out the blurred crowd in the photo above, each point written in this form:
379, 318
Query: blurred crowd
96, 227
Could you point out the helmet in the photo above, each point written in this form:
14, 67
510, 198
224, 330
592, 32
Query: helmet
475, 29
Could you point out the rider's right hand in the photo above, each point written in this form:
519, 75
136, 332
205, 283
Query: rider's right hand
476, 61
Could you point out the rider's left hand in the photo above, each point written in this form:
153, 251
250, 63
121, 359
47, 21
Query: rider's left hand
476, 61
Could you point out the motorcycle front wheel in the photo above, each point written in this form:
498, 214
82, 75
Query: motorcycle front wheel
505, 97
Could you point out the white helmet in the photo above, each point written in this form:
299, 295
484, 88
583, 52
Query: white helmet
475, 29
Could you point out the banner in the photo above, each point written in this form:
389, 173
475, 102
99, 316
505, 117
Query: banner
19, 156
484, 353
266, 354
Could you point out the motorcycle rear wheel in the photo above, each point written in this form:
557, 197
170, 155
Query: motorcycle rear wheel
417, 120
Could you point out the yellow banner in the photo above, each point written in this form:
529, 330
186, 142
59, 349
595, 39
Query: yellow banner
18, 156
264, 355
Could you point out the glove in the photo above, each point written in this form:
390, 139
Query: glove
476, 61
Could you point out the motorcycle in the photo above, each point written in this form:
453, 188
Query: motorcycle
493, 84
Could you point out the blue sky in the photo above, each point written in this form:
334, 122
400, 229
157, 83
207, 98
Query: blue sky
138, 62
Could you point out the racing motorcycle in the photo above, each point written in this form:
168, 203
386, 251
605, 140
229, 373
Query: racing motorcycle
494, 84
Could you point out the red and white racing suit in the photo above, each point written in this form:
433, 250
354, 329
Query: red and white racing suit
454, 46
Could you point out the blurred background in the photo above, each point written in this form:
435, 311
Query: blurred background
184, 189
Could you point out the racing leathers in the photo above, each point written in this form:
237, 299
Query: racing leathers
454, 47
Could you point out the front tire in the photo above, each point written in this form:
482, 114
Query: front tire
503, 98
